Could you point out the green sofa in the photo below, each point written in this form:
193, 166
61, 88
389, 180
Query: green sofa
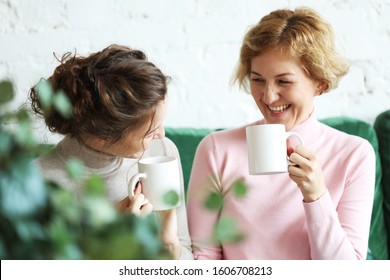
187, 140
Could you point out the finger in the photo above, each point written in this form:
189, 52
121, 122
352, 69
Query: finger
123, 204
290, 148
146, 209
303, 156
296, 171
138, 188
138, 201
124, 201
299, 160
305, 152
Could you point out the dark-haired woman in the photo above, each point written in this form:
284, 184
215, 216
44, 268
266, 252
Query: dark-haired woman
119, 102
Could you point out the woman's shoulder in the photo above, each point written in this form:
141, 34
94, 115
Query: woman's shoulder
230, 134
53, 168
49, 159
347, 141
341, 134
224, 139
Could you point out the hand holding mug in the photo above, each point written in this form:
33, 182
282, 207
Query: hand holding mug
138, 205
307, 173
159, 177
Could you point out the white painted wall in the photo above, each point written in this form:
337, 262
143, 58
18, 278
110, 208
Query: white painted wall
197, 43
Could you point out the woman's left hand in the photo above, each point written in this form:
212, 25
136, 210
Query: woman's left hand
307, 174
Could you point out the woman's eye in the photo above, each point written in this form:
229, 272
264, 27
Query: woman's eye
257, 80
283, 82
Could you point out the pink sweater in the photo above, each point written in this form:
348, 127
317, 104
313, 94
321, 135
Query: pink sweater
275, 221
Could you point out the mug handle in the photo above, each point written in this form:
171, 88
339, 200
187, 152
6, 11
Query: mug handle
297, 135
133, 183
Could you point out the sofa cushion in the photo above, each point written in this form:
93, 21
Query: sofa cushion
382, 128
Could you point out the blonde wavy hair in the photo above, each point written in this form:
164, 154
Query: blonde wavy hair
301, 32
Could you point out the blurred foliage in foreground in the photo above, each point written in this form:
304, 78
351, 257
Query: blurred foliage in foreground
40, 220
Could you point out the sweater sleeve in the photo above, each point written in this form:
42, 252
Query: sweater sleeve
341, 231
204, 179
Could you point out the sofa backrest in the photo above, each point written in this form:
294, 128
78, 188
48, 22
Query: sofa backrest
382, 128
187, 140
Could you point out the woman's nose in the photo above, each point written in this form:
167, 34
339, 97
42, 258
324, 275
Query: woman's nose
160, 133
270, 94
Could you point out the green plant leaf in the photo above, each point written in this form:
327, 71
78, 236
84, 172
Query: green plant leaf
101, 212
58, 231
45, 94
5, 144
95, 185
24, 134
40, 219
23, 115
240, 189
74, 168
66, 205
145, 230
6, 92
171, 198
62, 104
214, 201
226, 231
29, 230
22, 189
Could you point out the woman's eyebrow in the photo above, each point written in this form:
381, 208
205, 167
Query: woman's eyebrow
253, 72
285, 74
279, 75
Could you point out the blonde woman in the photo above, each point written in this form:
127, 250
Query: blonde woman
321, 208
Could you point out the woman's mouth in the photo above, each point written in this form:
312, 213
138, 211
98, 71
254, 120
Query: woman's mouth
278, 109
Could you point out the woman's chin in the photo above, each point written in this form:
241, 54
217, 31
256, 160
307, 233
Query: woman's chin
136, 155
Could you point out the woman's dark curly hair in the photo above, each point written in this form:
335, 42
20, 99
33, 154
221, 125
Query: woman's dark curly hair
112, 92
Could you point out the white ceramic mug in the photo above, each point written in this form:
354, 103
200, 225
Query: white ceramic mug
159, 176
267, 148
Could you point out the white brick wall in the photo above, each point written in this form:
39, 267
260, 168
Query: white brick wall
197, 43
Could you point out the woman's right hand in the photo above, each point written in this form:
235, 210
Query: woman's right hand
307, 174
138, 205
168, 232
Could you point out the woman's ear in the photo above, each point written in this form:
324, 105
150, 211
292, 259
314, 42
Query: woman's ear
100, 142
321, 87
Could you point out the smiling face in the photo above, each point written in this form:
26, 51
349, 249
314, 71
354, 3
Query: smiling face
282, 90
